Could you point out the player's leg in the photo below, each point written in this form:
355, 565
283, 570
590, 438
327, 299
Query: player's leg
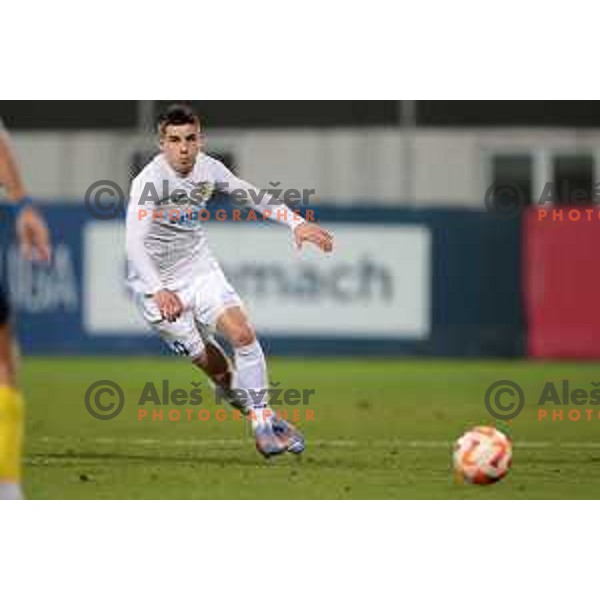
218, 307
11, 411
251, 377
215, 363
185, 337
251, 368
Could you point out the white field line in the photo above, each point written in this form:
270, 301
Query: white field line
323, 443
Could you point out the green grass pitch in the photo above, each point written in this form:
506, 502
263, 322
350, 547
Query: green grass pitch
382, 429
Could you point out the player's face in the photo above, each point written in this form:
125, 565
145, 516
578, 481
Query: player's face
180, 145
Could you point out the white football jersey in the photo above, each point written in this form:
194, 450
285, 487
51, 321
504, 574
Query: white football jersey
165, 239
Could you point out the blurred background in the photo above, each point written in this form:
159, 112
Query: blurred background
441, 246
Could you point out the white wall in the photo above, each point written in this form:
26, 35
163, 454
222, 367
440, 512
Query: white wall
429, 167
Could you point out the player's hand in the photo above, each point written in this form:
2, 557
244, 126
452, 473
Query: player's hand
310, 232
33, 235
169, 304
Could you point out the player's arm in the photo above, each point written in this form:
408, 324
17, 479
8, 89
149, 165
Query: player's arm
137, 228
303, 230
32, 231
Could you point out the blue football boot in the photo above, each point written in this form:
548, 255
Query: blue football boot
291, 437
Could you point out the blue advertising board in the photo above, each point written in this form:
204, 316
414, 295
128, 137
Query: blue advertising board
400, 282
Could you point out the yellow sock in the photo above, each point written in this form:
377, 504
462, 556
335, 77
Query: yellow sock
11, 434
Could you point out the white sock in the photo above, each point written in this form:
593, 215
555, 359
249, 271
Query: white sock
251, 376
10, 491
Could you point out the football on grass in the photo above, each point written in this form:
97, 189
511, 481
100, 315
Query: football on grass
482, 455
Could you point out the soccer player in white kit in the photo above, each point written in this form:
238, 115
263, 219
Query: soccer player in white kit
180, 288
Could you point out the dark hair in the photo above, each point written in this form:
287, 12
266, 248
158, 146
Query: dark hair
177, 114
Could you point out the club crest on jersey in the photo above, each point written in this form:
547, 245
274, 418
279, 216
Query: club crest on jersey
203, 190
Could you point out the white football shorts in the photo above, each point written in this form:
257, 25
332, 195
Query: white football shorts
203, 300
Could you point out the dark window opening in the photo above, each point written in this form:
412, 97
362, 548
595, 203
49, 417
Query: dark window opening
512, 186
573, 178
